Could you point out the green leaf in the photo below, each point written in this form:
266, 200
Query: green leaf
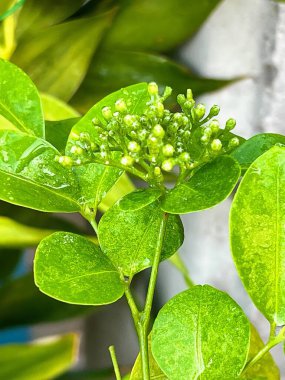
36, 361
257, 233
58, 57
265, 368
250, 150
201, 333
21, 304
57, 132
16, 235
19, 100
36, 15
209, 186
110, 70
55, 109
129, 236
31, 177
9, 259
72, 269
164, 31
135, 96
103, 374
155, 371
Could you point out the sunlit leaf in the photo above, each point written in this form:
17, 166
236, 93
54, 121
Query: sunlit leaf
201, 333
257, 233
56, 109
72, 269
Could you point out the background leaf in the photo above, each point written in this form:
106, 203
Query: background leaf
21, 304
113, 69
19, 100
38, 360
257, 234
201, 332
56, 109
129, 237
61, 52
9, 259
72, 269
129, 32
209, 186
57, 132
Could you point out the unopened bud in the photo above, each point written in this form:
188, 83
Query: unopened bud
184, 157
121, 106
158, 131
234, 142
160, 109
215, 126
199, 111
181, 99
189, 94
157, 171
168, 150
134, 147
230, 124
205, 139
127, 161
214, 111
65, 161
76, 150
107, 113
152, 88
167, 165
216, 145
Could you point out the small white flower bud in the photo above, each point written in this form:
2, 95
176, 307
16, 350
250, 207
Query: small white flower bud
65, 161
152, 88
121, 106
134, 147
158, 131
184, 157
127, 161
168, 150
234, 142
167, 165
157, 171
107, 113
76, 150
215, 126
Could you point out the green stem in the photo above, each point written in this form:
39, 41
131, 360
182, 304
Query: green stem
179, 264
273, 341
94, 225
115, 363
132, 306
12, 10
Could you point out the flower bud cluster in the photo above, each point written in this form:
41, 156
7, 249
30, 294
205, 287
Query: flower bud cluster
154, 141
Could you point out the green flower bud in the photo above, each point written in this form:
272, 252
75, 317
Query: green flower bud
205, 139
158, 131
128, 120
152, 141
167, 165
160, 109
189, 104
157, 171
84, 136
230, 124
107, 113
181, 99
152, 88
208, 131
189, 94
142, 134
120, 106
74, 136
215, 126
184, 157
216, 145
214, 111
168, 150
65, 161
167, 92
76, 150
134, 147
127, 160
95, 121
185, 120
199, 111
234, 142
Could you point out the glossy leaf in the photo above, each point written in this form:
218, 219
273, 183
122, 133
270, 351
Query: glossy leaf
36, 15
201, 333
110, 70
136, 97
16, 235
22, 304
265, 368
56, 109
129, 237
72, 269
250, 150
57, 132
209, 186
41, 360
129, 32
19, 100
57, 57
155, 372
31, 177
257, 233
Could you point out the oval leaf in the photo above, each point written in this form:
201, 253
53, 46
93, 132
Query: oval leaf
257, 233
129, 237
201, 333
72, 269
209, 186
31, 177
44, 360
19, 100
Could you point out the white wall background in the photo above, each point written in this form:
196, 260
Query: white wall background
245, 39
